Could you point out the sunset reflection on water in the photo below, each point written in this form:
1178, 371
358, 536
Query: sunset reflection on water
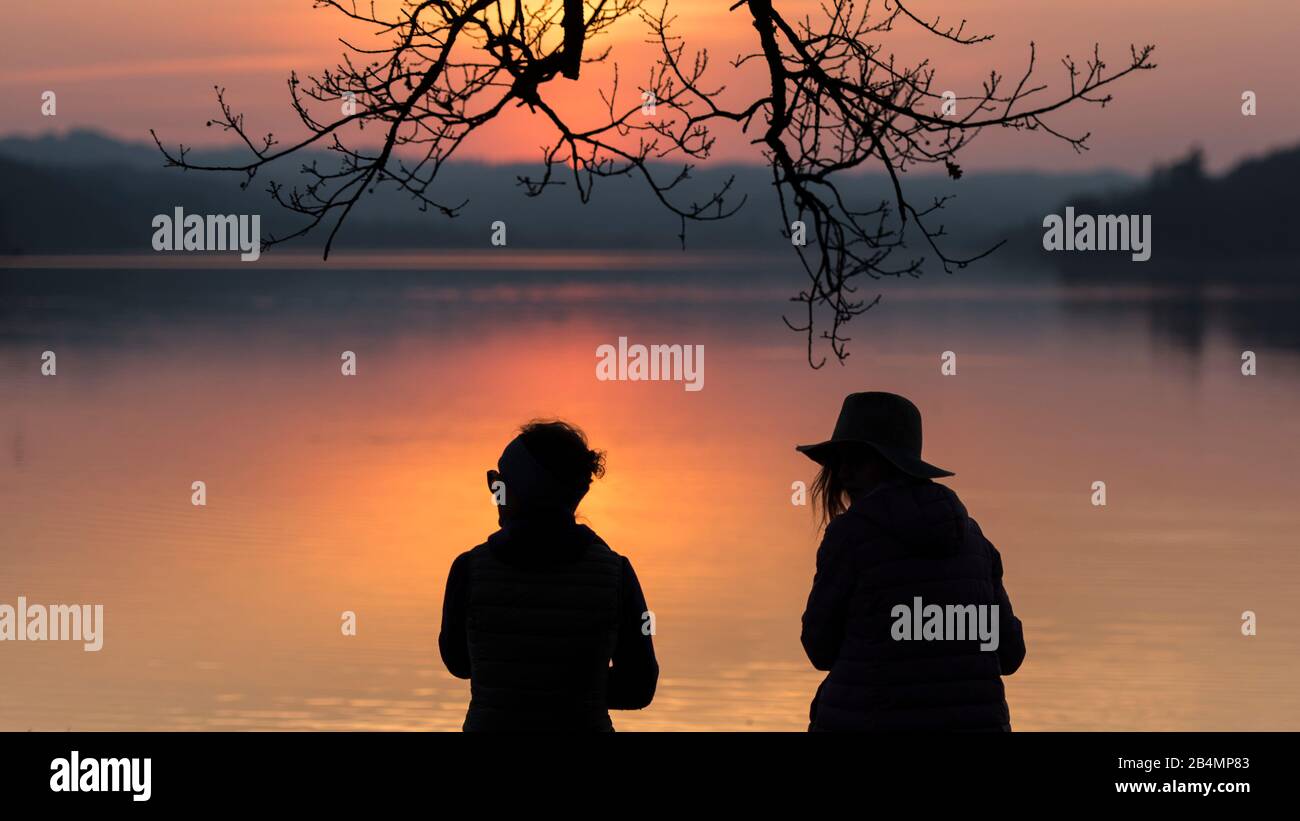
328, 494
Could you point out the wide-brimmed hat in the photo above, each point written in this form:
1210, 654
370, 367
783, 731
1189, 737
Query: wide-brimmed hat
886, 422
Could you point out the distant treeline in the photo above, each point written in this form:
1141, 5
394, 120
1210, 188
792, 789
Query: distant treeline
83, 192
1236, 226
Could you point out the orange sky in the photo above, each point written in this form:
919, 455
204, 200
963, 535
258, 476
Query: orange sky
125, 66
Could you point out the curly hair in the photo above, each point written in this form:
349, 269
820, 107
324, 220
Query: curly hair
563, 450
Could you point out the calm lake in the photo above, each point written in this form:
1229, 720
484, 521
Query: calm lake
328, 493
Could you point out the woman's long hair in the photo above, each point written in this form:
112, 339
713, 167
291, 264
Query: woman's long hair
828, 493
830, 497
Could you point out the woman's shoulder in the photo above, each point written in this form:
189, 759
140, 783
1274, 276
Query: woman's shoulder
857, 518
847, 529
600, 548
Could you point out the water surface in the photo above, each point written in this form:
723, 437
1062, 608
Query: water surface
329, 493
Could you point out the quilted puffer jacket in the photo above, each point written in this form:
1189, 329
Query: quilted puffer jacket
899, 543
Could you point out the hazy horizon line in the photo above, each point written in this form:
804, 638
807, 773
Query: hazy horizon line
145, 142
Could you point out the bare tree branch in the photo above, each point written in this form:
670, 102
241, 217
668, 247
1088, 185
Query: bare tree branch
834, 103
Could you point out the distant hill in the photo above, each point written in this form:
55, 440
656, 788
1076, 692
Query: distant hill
1228, 227
79, 148
86, 192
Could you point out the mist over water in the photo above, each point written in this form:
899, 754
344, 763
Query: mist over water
329, 493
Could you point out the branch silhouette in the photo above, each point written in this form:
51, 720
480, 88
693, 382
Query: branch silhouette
834, 102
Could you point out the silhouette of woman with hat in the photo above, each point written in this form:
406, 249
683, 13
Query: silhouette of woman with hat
896, 541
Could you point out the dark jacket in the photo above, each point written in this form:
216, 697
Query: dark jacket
903, 541
547, 624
